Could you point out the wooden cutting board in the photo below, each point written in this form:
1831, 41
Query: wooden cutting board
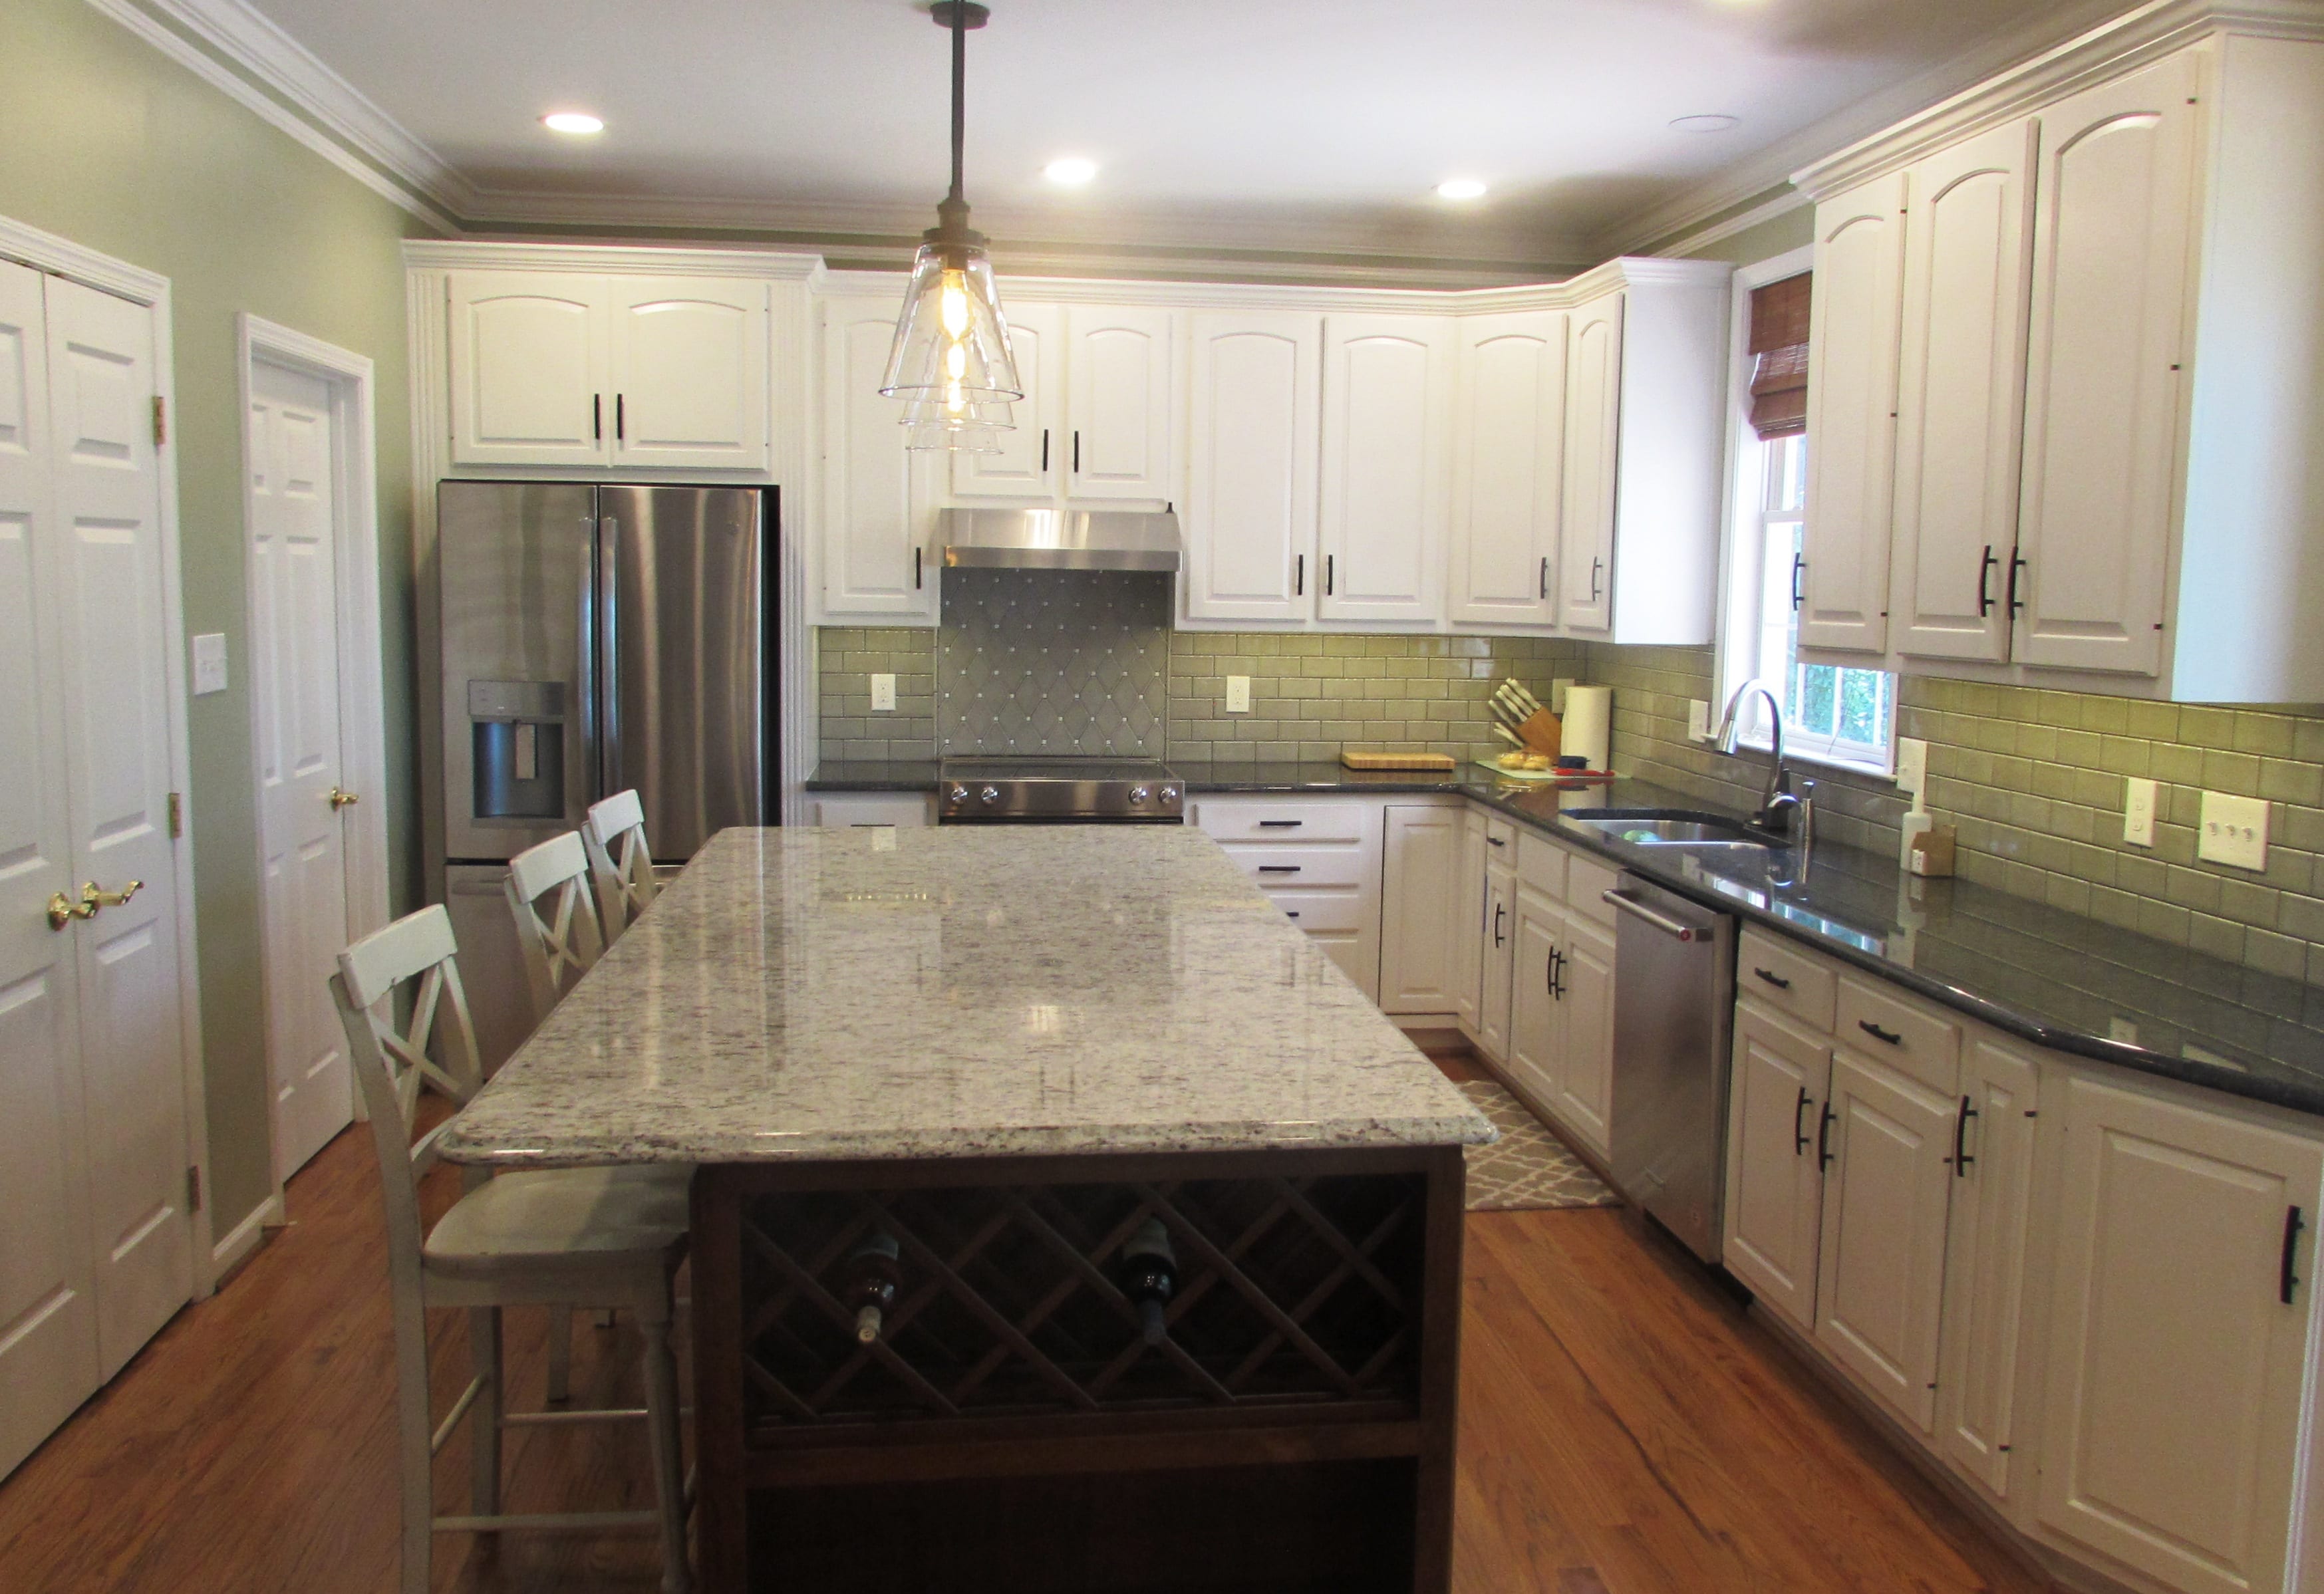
1440, 762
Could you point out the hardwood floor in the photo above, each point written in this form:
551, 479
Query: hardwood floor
1625, 1430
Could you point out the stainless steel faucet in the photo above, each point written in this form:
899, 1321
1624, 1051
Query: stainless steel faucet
1787, 814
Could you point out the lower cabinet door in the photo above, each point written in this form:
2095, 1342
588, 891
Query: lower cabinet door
1985, 1264
1585, 998
1468, 918
1419, 887
1881, 1273
1496, 947
1774, 1183
2179, 1302
1536, 1020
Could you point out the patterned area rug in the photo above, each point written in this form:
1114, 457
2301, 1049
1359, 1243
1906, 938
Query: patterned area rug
1527, 1168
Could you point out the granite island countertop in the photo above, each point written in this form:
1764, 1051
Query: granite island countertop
958, 992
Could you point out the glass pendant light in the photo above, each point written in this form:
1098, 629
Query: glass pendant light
951, 362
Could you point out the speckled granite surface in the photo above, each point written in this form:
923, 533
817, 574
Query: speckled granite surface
805, 995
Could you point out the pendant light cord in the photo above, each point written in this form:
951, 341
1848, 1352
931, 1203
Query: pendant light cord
959, 91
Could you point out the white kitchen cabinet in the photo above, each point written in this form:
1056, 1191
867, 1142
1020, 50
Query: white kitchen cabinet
1960, 394
1318, 858
1985, 1265
1497, 950
1583, 1103
574, 369
1507, 439
1420, 960
1590, 488
1027, 463
878, 526
1468, 922
1535, 1035
1776, 1098
2182, 1289
1841, 584
1388, 386
1095, 421
1255, 414
867, 810
2114, 214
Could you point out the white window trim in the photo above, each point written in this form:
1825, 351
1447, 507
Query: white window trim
1738, 587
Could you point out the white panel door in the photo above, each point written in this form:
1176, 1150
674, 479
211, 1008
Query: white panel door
1842, 588
1497, 950
1960, 399
690, 373
1774, 1181
1249, 517
1880, 1281
875, 529
1593, 424
294, 680
1117, 376
1031, 459
531, 368
1985, 1264
1419, 886
2114, 210
1585, 1000
1508, 437
117, 770
48, 1304
1387, 394
2173, 1385
1536, 1032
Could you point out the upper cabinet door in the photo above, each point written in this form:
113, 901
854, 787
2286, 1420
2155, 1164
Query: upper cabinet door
1860, 266
690, 373
1248, 518
1593, 413
2113, 209
1962, 391
1508, 430
1387, 389
876, 527
1117, 368
1031, 462
531, 368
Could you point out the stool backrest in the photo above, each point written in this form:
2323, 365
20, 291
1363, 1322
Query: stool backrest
615, 836
558, 946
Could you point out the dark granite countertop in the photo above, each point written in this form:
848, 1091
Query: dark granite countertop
1321, 775
875, 775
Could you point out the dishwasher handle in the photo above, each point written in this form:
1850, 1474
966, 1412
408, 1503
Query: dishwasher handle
1663, 922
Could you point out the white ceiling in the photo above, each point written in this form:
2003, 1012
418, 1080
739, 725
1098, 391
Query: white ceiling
1249, 123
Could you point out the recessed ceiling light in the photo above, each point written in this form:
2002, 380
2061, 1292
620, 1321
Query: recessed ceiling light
1713, 123
1070, 172
574, 122
1459, 188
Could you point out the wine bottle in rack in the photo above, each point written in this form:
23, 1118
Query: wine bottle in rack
1150, 1276
872, 1277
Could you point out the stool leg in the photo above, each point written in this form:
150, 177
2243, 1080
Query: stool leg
484, 1417
669, 1449
561, 1353
414, 1433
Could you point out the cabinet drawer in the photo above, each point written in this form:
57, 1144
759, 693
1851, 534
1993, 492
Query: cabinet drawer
1587, 881
1317, 911
1899, 1031
1790, 981
1301, 866
1541, 864
1501, 840
1248, 820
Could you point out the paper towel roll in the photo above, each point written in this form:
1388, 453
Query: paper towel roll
1587, 724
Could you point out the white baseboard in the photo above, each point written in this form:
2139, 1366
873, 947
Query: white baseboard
243, 1238
1412, 1022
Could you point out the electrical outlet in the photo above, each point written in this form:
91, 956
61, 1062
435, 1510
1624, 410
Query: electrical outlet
883, 694
1698, 719
2138, 812
1557, 690
209, 663
2125, 1031
1912, 765
1238, 693
2232, 831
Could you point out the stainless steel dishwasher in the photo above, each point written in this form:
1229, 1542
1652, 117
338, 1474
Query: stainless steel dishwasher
1673, 1013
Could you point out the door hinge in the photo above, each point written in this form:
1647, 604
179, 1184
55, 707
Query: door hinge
177, 815
193, 1187
160, 421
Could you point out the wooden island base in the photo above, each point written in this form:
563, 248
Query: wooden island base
1012, 1430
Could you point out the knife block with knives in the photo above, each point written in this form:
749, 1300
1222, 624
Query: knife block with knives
1521, 721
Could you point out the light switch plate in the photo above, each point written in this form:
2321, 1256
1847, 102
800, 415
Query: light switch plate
1698, 719
2232, 831
883, 694
1238, 693
2138, 812
209, 663
1912, 765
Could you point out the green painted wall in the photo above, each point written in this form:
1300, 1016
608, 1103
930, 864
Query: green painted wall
112, 144
1794, 229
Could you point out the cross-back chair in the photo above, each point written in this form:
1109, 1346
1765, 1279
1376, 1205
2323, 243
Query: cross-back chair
562, 944
619, 859
600, 1235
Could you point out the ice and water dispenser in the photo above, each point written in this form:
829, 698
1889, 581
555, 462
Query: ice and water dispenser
517, 731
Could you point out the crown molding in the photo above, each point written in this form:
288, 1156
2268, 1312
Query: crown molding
627, 259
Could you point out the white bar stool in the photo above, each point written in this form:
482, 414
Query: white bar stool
563, 945
620, 860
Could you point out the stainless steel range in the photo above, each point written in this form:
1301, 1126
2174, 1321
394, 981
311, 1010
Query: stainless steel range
975, 790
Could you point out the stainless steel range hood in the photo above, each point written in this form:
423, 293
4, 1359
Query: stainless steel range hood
1060, 539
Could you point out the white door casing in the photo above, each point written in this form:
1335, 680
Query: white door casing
1249, 514
1509, 435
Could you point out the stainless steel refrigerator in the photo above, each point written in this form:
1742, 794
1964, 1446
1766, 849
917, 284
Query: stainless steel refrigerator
595, 638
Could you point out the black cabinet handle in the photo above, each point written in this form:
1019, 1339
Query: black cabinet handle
621, 422
1778, 980
1495, 841
1961, 1158
1281, 823
597, 417
1823, 1137
916, 568
2287, 1280
1884, 1035
1557, 973
1985, 583
2016, 566
1501, 912
1798, 1131
1279, 869
1290, 912
1799, 564
1299, 576
1077, 453
1044, 450
1330, 572
1545, 575
1596, 564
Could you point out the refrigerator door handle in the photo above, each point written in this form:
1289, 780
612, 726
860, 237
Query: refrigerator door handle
584, 673
609, 673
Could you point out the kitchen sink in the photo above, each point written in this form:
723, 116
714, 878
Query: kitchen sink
1671, 827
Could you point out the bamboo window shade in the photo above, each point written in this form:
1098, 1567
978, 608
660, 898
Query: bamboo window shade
1779, 351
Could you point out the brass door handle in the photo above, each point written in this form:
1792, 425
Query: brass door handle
92, 898
63, 910
342, 799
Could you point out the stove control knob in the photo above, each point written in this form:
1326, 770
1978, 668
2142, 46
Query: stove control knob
1169, 794
1138, 794
960, 794
991, 794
